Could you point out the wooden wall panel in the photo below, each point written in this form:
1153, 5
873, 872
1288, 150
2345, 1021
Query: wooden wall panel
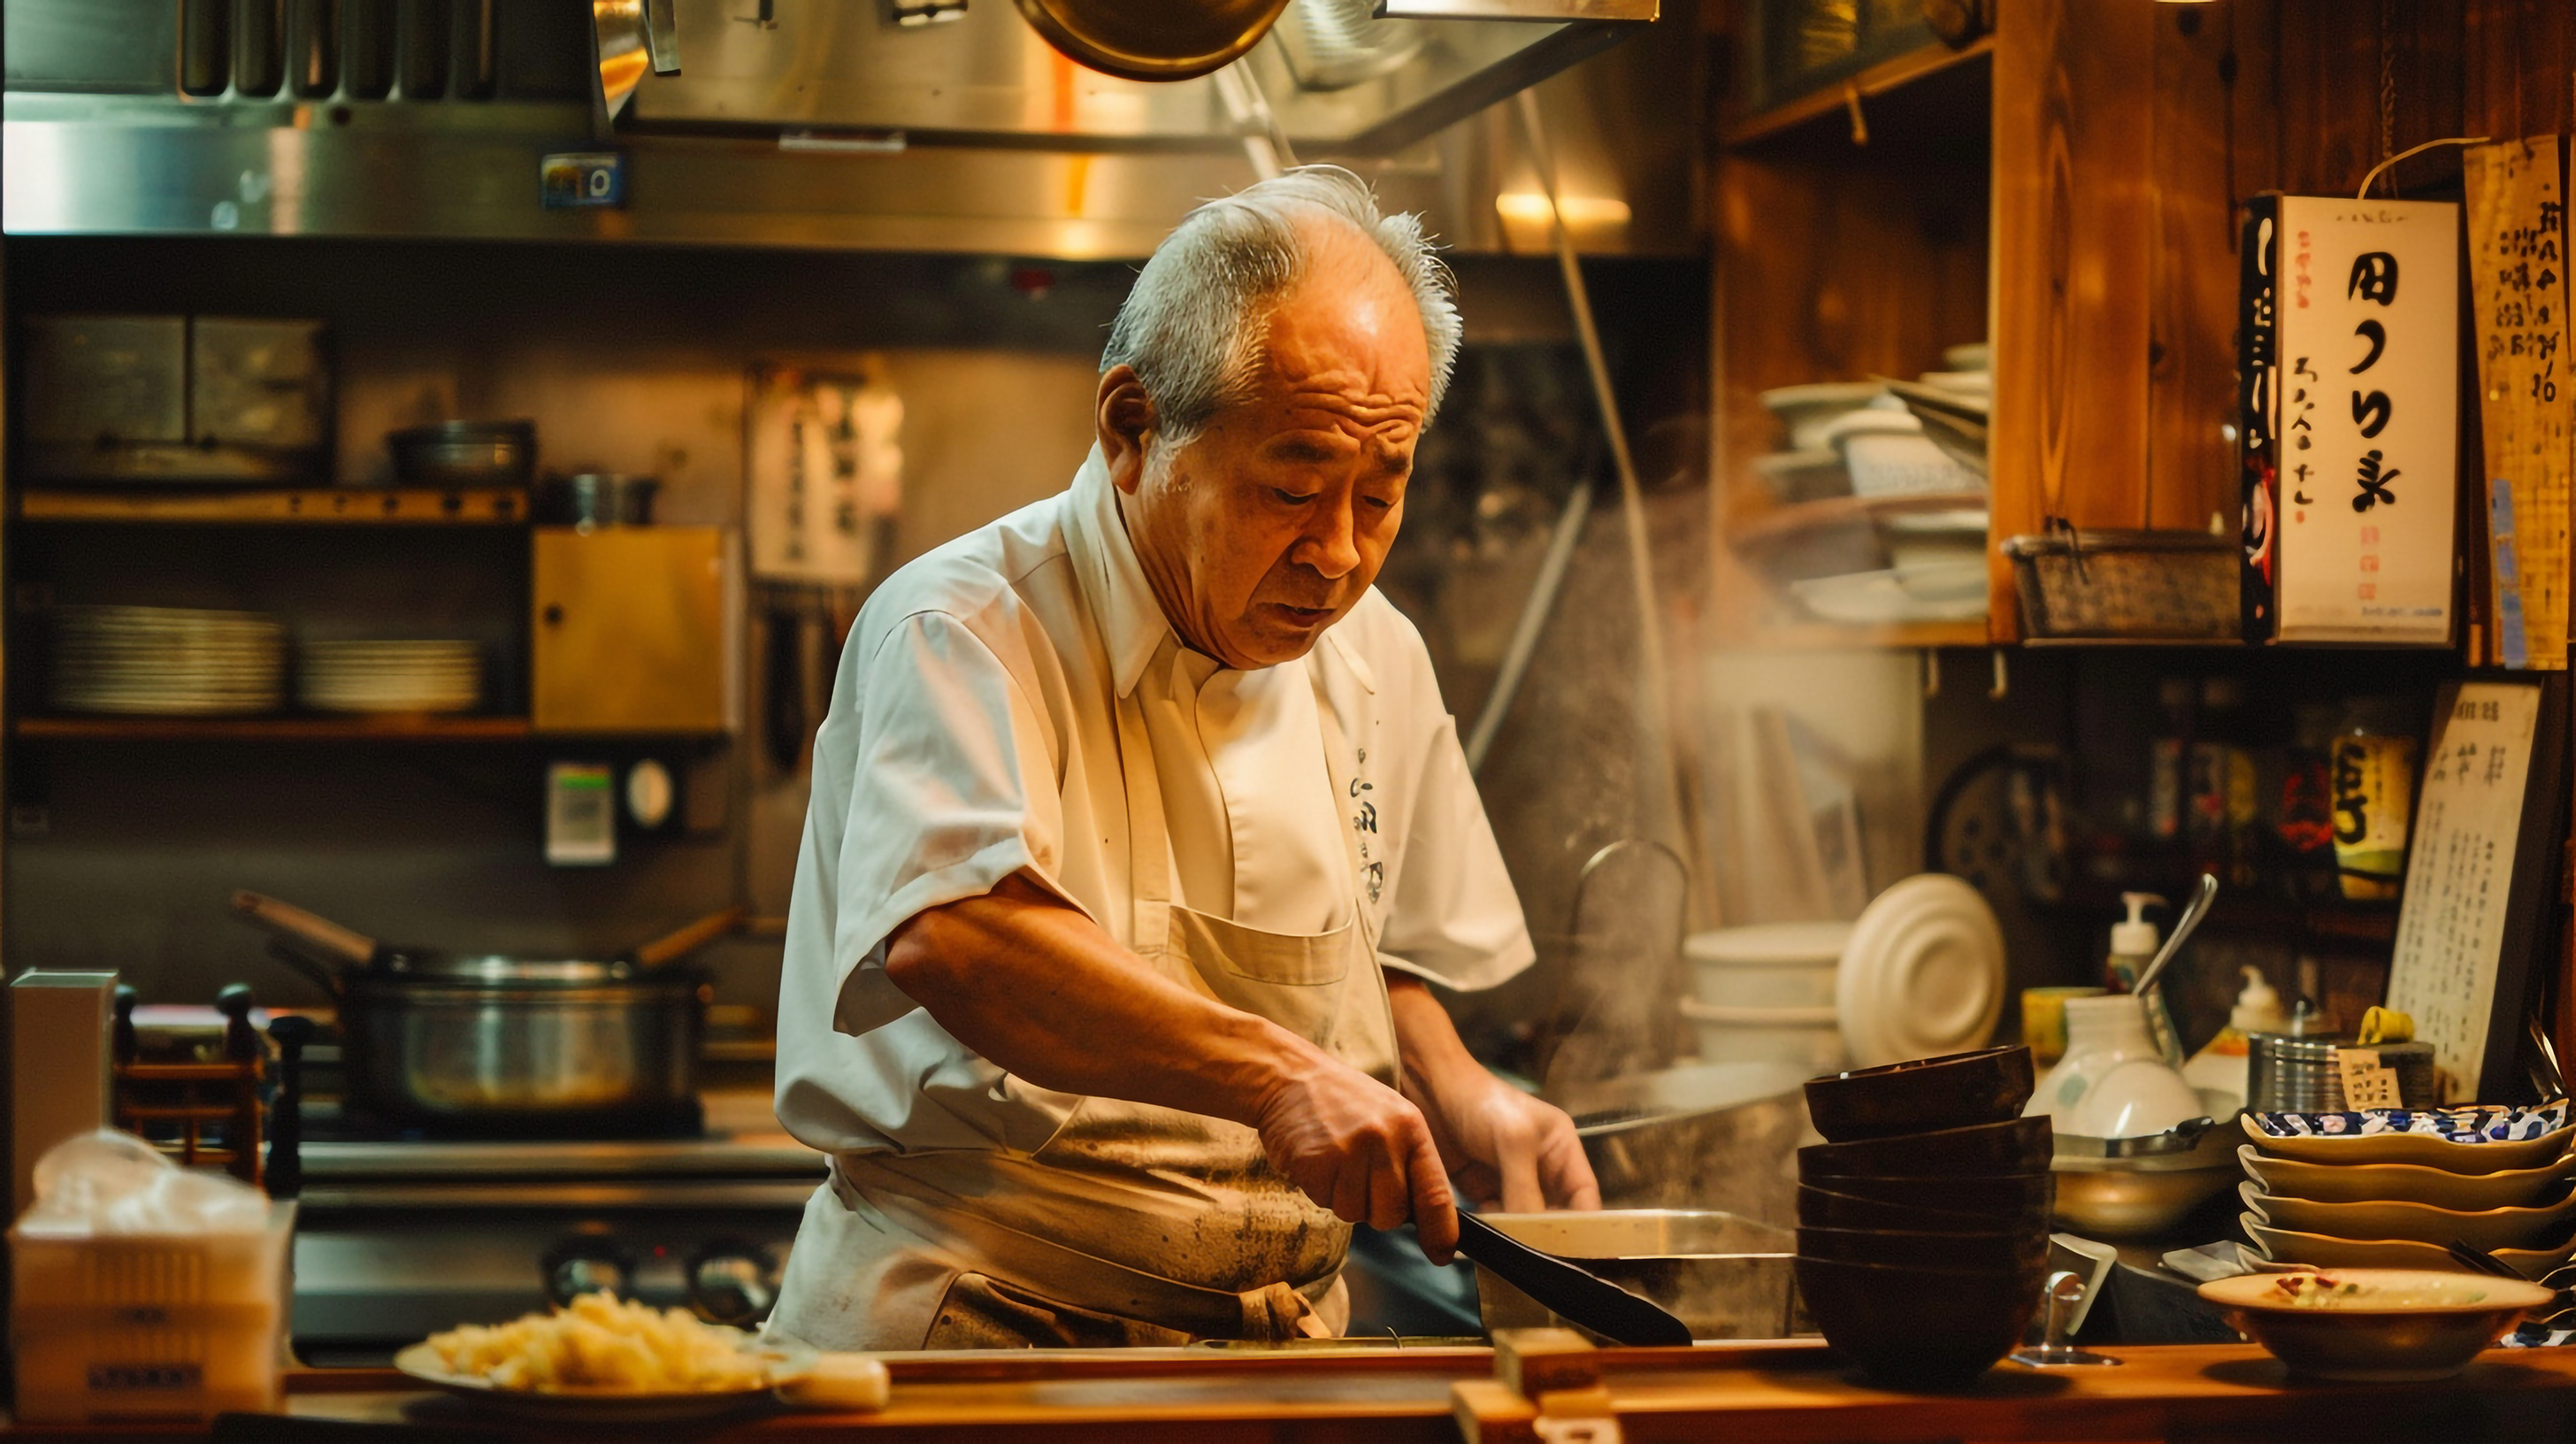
2516, 59
2075, 235
2329, 69
2212, 143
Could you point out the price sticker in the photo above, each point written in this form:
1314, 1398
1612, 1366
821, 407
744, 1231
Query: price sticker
2367, 1083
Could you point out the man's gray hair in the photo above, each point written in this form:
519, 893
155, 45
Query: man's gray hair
1194, 324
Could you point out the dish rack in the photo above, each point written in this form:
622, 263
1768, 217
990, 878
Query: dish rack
2161, 584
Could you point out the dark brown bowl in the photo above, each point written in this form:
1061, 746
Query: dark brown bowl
1955, 1090
1919, 1328
2019, 1145
2005, 1195
1978, 1252
1823, 1208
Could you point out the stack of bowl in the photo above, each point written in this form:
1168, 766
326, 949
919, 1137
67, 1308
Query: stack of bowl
1923, 1224
2389, 1188
1765, 994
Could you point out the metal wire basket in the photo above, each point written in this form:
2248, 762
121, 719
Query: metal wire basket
2166, 584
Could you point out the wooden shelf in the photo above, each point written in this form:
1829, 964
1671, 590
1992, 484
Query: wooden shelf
275, 729
1805, 636
1892, 74
332, 505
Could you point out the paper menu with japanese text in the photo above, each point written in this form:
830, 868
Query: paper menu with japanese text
2367, 346
2518, 287
2459, 874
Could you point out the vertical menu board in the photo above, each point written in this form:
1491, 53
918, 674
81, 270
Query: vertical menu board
2366, 396
2518, 282
2479, 879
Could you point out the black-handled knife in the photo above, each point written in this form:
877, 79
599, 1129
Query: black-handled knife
1595, 1303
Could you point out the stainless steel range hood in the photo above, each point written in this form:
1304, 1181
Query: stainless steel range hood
1336, 77
807, 122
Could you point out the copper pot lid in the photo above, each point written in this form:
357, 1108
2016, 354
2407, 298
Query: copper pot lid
1153, 39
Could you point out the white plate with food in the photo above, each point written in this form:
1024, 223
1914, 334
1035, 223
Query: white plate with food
603, 1361
2375, 1325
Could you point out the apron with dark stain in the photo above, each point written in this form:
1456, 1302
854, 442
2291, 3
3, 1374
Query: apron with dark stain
1137, 1224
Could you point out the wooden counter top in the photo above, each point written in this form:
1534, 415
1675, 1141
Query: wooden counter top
1792, 1392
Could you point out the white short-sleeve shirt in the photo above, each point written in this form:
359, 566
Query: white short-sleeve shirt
972, 734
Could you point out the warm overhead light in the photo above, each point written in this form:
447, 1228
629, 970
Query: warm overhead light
1530, 208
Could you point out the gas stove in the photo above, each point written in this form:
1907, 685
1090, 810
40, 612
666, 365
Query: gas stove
399, 1237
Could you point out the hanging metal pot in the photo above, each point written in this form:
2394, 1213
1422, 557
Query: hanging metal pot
1153, 39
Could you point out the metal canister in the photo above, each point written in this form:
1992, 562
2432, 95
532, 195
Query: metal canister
2289, 1074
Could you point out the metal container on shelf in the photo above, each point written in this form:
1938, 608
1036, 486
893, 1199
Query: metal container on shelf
213, 399
465, 453
2291, 1074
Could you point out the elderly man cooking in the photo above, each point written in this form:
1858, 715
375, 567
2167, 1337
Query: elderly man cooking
1137, 827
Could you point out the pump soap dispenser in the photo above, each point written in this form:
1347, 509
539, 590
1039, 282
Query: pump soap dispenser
2220, 1070
2133, 946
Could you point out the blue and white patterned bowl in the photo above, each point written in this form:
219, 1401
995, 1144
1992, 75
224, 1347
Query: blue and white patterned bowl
2469, 1123
2481, 1139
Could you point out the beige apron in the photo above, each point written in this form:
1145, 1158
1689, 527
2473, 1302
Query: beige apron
1138, 1224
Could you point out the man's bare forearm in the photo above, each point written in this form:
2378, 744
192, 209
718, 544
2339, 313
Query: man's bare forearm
1041, 991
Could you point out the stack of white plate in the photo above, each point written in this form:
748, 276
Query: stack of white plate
1919, 975
2387, 1188
167, 660
435, 676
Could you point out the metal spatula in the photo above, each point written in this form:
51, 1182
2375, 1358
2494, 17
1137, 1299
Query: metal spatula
1597, 1304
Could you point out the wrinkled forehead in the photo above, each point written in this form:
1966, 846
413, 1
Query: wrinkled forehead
1348, 319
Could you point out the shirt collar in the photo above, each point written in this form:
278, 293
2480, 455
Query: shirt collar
1132, 624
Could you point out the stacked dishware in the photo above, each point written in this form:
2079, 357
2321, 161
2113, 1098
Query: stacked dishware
170, 661
1923, 1223
1919, 974
390, 676
1765, 994
2393, 1187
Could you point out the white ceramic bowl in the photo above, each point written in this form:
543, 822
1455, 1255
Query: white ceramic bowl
2285, 1247
1887, 454
2423, 1149
1805, 1038
1806, 410
1776, 965
2375, 1325
1810, 475
2404, 1182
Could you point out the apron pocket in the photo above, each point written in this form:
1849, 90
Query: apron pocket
1296, 960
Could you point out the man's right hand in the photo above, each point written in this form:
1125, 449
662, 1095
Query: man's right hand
1035, 986
1362, 1150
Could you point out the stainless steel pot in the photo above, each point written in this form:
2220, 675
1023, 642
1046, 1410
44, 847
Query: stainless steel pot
455, 1042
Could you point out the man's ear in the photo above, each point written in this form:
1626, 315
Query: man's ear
1123, 415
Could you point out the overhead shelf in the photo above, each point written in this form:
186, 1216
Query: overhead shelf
1805, 636
1829, 102
335, 505
391, 728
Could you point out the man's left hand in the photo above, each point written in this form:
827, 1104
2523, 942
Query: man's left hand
1501, 1146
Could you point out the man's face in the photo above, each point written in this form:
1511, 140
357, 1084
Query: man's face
1270, 526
